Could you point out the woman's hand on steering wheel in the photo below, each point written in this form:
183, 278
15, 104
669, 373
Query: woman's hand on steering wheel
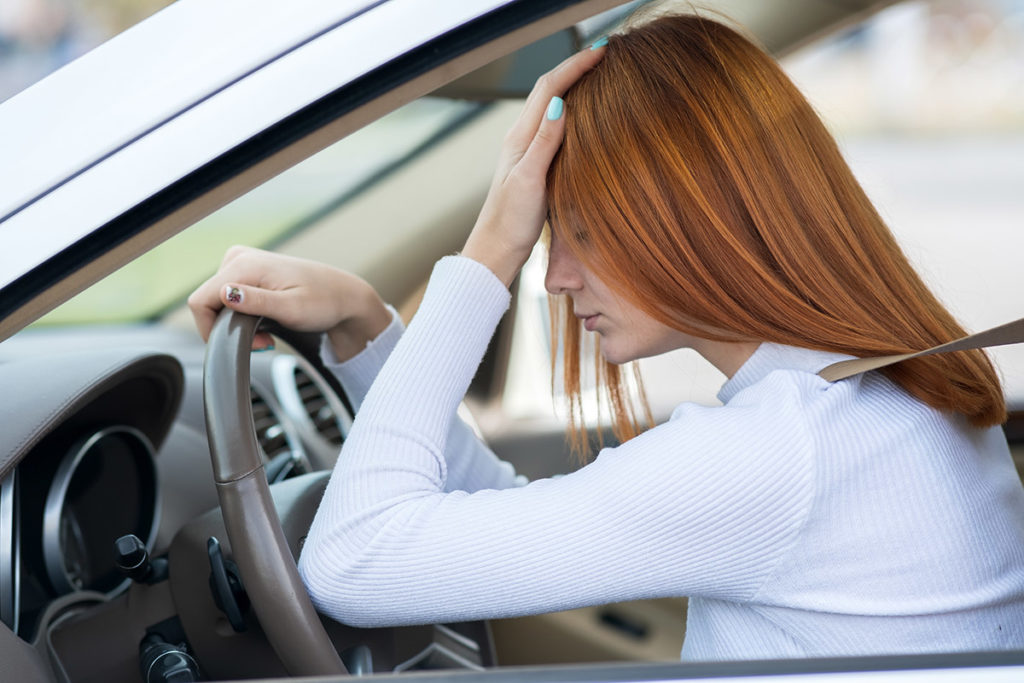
514, 212
302, 295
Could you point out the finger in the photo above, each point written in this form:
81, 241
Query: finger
205, 304
554, 83
204, 319
253, 301
287, 306
257, 301
238, 251
262, 341
559, 79
205, 314
545, 143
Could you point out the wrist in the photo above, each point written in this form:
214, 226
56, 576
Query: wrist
350, 336
504, 261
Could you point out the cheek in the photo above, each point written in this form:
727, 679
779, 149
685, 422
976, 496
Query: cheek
649, 337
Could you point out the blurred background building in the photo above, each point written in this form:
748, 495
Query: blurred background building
40, 36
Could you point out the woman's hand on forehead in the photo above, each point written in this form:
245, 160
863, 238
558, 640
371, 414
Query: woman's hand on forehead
516, 206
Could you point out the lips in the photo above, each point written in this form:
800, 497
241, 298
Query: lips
589, 321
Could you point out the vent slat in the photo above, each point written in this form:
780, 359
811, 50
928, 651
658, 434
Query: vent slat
270, 432
319, 410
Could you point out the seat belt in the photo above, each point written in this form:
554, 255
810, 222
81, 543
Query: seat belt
1010, 333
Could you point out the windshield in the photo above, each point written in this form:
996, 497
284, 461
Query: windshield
163, 277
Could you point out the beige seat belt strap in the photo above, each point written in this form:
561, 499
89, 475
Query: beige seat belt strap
1010, 333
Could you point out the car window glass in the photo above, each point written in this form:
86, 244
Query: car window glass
164, 276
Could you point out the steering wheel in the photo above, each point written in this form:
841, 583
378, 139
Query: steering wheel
258, 543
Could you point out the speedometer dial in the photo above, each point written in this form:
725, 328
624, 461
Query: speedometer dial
105, 487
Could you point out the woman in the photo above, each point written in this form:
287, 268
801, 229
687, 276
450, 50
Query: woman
696, 201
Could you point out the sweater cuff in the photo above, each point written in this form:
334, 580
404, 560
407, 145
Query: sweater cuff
358, 372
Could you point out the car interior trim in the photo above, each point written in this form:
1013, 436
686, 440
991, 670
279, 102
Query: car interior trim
381, 174
973, 666
436, 655
85, 377
56, 613
10, 552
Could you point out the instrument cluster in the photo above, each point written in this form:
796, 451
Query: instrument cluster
62, 509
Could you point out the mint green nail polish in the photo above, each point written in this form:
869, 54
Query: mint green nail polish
555, 108
268, 347
600, 42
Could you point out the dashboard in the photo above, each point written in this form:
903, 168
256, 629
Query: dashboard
78, 464
107, 441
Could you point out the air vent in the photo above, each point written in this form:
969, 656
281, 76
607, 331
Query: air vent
269, 431
316, 406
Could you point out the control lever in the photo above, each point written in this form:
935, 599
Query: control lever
133, 561
281, 467
162, 662
228, 593
358, 660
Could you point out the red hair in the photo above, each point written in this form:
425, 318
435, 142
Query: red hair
711, 196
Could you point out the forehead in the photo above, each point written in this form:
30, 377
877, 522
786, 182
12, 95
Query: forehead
566, 222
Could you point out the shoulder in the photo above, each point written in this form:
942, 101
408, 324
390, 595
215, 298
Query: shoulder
779, 401
762, 431
854, 428
783, 381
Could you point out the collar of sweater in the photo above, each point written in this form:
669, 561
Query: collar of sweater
769, 357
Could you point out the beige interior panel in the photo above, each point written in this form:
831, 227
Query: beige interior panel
394, 244
643, 630
1017, 451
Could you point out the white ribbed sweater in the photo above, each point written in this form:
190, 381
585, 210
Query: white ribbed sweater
802, 518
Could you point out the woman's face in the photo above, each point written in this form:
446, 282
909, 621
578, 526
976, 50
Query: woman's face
627, 333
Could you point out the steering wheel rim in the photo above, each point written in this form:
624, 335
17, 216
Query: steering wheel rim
258, 544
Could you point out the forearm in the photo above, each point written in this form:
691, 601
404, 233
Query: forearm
471, 465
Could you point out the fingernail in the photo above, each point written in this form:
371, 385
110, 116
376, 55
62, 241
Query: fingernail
555, 108
234, 294
268, 347
600, 42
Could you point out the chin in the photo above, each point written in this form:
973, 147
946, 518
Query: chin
616, 357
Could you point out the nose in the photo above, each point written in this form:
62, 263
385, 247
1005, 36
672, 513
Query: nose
564, 270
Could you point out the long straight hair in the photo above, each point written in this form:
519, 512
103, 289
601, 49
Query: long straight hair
701, 185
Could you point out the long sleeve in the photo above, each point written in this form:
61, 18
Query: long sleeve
471, 465
705, 504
